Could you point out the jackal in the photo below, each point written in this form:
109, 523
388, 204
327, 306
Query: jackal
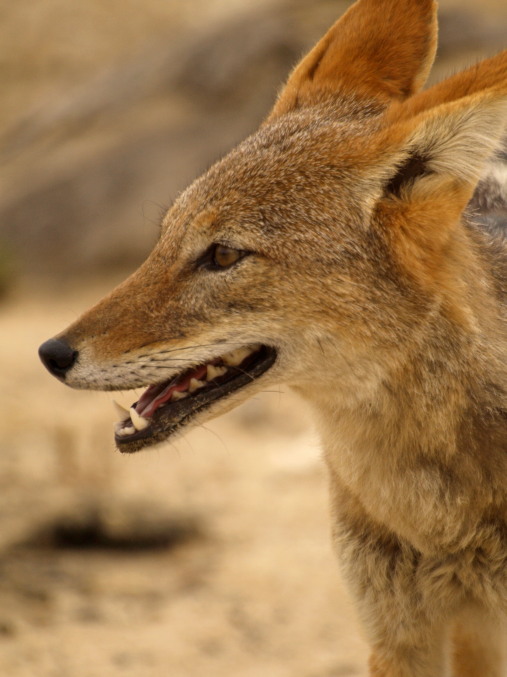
355, 249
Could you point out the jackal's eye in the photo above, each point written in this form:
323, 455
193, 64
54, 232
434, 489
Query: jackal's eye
219, 256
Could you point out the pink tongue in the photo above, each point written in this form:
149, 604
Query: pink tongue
153, 397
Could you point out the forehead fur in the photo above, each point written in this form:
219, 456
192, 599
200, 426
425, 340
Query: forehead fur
269, 187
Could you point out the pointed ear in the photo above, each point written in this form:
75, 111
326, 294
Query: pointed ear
444, 151
441, 155
380, 50
488, 74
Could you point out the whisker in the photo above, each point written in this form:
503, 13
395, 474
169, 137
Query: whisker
183, 438
213, 432
242, 371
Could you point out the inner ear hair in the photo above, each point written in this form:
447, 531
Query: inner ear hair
414, 167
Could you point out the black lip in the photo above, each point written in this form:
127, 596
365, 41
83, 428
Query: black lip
173, 416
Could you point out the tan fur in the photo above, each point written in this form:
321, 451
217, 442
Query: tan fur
490, 73
386, 306
478, 644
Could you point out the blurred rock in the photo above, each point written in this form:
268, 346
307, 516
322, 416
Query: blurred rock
115, 524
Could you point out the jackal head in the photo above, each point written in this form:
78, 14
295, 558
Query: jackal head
312, 253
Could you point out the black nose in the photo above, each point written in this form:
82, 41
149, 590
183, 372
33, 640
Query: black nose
57, 356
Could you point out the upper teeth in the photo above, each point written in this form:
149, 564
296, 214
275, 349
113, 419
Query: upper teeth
195, 384
214, 372
237, 356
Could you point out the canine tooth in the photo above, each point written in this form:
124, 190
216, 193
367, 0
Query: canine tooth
140, 423
214, 372
237, 356
178, 395
195, 384
121, 411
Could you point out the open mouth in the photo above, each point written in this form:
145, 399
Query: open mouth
164, 408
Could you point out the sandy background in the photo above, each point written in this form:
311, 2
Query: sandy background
210, 556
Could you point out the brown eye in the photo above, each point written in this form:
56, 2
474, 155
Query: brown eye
223, 256
220, 257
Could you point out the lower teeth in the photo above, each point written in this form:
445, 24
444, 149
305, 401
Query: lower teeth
129, 430
140, 423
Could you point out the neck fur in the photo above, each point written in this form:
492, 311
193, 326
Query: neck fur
424, 438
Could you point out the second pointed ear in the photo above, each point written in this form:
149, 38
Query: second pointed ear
445, 147
379, 50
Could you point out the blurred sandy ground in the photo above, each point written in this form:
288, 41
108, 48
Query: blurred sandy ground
210, 556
